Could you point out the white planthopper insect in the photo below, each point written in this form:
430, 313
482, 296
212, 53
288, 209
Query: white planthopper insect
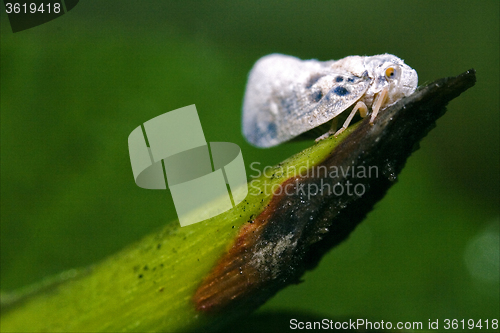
287, 97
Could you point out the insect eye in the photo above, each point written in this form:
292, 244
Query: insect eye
390, 72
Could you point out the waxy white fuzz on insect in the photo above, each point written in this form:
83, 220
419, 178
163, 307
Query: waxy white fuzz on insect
286, 96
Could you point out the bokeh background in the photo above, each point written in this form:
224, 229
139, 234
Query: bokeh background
73, 89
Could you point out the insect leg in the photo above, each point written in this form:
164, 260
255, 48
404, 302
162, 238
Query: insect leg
333, 126
363, 111
378, 103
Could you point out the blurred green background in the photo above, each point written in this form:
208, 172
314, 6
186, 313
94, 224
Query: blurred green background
73, 89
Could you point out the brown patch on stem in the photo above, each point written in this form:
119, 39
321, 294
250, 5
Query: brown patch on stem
234, 276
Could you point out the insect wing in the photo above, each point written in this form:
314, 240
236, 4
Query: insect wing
286, 97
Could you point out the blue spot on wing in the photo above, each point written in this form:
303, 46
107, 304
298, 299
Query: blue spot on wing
341, 91
316, 96
272, 130
339, 79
